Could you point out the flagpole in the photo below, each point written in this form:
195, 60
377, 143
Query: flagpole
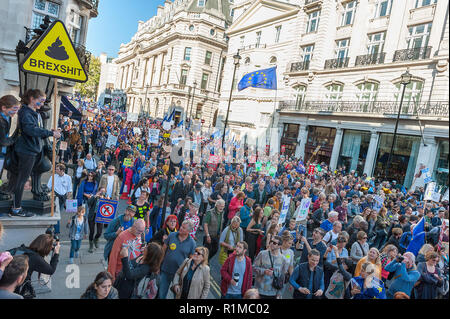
54, 150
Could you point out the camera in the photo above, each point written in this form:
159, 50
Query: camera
399, 258
236, 277
51, 231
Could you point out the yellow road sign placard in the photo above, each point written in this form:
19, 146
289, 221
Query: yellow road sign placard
54, 55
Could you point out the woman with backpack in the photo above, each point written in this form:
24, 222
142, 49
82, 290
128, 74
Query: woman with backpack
146, 266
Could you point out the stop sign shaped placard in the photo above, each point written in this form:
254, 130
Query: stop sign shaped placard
106, 211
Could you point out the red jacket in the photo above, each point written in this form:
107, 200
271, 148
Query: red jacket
227, 274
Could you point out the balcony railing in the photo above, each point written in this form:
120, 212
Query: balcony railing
412, 54
435, 108
254, 46
369, 59
336, 63
300, 66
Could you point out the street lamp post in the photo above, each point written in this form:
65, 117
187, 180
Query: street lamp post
236, 59
406, 79
192, 102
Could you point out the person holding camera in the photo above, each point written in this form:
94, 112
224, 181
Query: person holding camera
405, 274
92, 213
237, 273
307, 278
39, 248
271, 269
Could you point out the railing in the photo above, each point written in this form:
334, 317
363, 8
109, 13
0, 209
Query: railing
412, 54
254, 46
300, 66
369, 59
435, 108
310, 1
336, 63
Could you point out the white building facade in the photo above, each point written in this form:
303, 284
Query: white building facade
19, 17
175, 60
343, 87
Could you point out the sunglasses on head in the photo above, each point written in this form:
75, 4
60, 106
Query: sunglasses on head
199, 253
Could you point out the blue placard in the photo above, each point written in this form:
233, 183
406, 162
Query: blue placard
106, 211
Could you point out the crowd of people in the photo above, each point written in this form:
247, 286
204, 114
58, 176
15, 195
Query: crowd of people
346, 245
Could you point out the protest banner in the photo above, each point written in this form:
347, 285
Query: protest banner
153, 136
106, 211
63, 146
111, 141
132, 117
71, 205
378, 204
303, 209
311, 169
284, 209
137, 130
258, 166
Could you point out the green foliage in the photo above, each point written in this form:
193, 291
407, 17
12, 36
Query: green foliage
90, 87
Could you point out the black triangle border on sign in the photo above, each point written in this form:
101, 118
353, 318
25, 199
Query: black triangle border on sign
36, 45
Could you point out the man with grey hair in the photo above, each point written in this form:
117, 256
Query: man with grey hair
178, 246
327, 224
212, 224
405, 274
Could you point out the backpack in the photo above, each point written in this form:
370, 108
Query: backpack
147, 288
26, 289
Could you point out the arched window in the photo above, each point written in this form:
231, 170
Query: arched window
247, 61
273, 60
367, 92
334, 92
300, 91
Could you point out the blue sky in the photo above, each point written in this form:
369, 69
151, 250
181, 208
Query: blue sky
116, 23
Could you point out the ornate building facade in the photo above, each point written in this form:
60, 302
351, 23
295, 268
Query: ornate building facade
175, 60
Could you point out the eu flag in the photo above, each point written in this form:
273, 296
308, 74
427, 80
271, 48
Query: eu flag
264, 79
418, 237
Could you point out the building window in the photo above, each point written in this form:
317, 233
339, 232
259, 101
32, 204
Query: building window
247, 61
208, 56
212, 32
198, 111
355, 145
342, 48
307, 53
75, 25
323, 137
232, 12
201, 3
403, 160
300, 91
313, 21
334, 92
383, 8
191, 28
277, 33
242, 41
349, 13
440, 173
258, 38
367, 92
273, 60
204, 81
184, 74
413, 93
376, 43
422, 3
42, 8
418, 36
187, 54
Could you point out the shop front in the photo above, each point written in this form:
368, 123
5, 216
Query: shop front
440, 173
320, 142
403, 160
288, 143
353, 153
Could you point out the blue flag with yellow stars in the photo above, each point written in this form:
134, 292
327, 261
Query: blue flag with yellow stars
264, 79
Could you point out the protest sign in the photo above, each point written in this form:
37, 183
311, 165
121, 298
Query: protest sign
311, 169
429, 191
426, 175
132, 117
137, 130
303, 209
71, 205
272, 171
153, 136
378, 204
284, 209
127, 162
445, 197
63, 146
258, 166
106, 211
112, 140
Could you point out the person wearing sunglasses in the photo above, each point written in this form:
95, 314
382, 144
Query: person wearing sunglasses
28, 149
192, 279
270, 265
111, 183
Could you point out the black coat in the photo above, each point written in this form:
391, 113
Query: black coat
180, 191
31, 134
4, 130
303, 280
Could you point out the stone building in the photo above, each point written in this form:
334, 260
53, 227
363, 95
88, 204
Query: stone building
343, 87
175, 60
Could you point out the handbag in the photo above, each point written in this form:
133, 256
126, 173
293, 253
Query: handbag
278, 280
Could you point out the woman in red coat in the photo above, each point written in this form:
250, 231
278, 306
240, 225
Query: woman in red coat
236, 203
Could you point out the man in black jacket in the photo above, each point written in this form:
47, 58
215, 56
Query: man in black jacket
307, 278
180, 190
29, 147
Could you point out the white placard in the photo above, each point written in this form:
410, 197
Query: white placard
436, 197
303, 209
137, 130
132, 117
284, 209
429, 191
166, 126
153, 136
112, 140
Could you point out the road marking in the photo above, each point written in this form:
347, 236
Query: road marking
215, 286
